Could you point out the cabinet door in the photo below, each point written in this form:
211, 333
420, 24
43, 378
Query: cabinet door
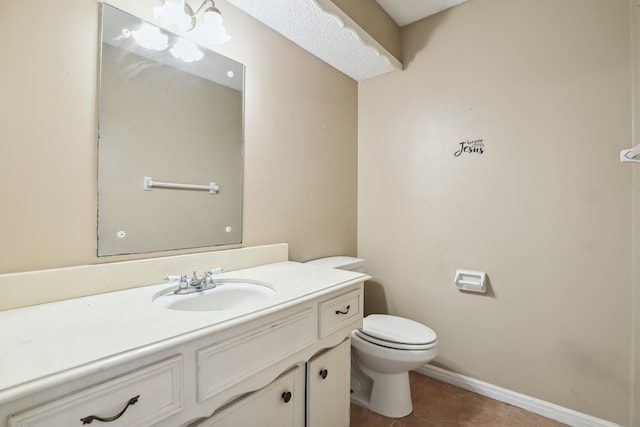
328, 377
280, 404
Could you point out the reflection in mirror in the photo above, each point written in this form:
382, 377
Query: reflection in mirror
170, 111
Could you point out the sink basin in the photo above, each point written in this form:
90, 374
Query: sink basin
227, 294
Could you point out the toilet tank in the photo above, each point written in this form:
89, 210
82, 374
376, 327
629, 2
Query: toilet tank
341, 262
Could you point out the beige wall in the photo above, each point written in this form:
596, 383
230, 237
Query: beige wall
300, 137
545, 210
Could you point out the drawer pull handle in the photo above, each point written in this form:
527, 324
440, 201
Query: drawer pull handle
344, 312
286, 396
324, 373
90, 418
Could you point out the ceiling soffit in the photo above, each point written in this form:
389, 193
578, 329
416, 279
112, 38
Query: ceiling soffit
324, 30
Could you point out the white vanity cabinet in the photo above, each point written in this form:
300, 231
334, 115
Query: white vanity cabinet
284, 365
321, 385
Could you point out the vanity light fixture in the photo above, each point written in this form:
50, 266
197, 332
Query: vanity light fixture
206, 21
149, 37
175, 14
186, 51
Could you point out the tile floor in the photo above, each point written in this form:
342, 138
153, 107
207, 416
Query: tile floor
437, 404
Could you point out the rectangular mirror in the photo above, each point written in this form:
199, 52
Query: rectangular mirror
171, 112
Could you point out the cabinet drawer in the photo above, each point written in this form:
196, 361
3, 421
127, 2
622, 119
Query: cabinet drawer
158, 388
229, 362
339, 312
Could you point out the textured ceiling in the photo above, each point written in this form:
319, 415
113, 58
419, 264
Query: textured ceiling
404, 12
323, 29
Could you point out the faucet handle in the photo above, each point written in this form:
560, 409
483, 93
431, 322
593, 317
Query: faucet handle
184, 282
216, 270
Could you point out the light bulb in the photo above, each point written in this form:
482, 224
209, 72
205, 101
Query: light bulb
210, 30
186, 51
175, 15
150, 37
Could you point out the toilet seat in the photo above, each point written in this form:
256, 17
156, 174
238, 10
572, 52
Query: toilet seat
391, 344
396, 332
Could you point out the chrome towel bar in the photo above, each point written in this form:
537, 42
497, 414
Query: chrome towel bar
149, 183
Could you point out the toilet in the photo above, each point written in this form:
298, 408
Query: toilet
382, 354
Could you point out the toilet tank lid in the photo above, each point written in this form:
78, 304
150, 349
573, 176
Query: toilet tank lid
397, 329
342, 262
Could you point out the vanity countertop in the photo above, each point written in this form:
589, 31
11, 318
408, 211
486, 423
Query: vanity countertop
47, 344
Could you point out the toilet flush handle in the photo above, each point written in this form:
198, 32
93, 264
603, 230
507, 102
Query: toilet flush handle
323, 373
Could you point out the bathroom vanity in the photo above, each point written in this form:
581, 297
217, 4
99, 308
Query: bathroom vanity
284, 361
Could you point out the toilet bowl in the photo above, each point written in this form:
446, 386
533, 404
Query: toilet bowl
382, 354
381, 362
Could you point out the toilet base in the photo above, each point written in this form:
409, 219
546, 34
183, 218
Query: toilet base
385, 394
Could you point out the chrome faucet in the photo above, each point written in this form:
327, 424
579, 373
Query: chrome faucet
195, 283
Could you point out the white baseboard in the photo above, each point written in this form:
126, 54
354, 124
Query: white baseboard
537, 406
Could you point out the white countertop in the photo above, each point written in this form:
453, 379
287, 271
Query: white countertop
47, 344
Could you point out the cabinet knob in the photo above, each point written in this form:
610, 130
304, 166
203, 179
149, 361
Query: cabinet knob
324, 373
286, 396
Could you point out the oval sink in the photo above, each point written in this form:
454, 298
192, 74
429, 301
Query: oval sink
227, 294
